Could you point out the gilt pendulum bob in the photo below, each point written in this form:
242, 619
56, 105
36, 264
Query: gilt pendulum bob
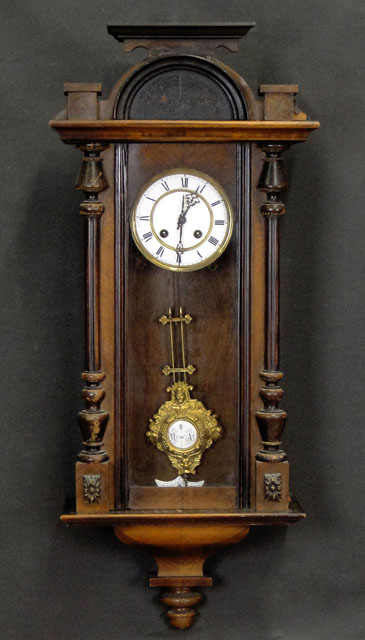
183, 176
182, 428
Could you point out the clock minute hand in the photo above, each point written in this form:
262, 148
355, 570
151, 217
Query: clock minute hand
190, 200
182, 217
180, 222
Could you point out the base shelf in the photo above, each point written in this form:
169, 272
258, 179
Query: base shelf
153, 516
180, 542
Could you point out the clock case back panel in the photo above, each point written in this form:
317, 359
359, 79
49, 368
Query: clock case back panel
217, 339
212, 344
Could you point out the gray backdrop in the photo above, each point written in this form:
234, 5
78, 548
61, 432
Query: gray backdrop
82, 584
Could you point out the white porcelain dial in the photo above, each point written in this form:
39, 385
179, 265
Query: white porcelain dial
182, 220
182, 434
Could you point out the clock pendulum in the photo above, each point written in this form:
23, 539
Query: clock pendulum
182, 428
182, 173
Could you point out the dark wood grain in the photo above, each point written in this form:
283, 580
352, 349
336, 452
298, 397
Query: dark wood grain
212, 346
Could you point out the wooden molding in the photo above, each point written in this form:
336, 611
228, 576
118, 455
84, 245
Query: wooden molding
246, 518
77, 131
201, 39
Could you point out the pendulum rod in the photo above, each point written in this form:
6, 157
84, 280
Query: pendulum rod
182, 345
172, 347
174, 370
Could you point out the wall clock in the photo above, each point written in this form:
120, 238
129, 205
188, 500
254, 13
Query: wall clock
183, 176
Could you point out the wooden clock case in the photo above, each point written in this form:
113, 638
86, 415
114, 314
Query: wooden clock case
182, 107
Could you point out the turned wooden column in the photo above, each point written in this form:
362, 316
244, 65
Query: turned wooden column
272, 473
91, 475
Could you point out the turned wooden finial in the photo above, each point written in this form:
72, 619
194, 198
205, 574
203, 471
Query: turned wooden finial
181, 600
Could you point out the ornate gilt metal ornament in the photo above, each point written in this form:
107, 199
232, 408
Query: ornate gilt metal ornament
92, 488
273, 486
182, 428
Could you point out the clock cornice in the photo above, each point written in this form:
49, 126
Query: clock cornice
75, 131
197, 38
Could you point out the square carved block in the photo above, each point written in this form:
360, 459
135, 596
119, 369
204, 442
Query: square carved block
82, 100
279, 101
272, 486
92, 487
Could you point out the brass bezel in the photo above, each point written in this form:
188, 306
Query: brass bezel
172, 446
216, 254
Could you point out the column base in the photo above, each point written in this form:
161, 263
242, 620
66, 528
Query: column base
272, 486
92, 487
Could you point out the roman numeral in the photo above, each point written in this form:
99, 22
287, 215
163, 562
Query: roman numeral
199, 254
201, 189
218, 221
160, 251
184, 182
178, 258
147, 236
144, 217
213, 204
165, 185
153, 199
213, 240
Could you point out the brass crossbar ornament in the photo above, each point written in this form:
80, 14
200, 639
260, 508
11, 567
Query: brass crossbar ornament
167, 370
166, 319
179, 321
182, 428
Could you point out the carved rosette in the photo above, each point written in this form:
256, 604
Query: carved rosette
271, 420
273, 487
92, 488
92, 419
